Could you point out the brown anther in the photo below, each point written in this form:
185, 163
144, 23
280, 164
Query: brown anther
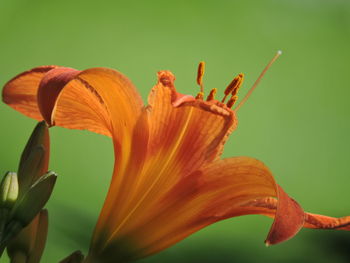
231, 101
234, 86
200, 74
200, 96
212, 94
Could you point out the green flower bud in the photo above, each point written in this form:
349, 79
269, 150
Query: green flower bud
9, 190
35, 158
34, 199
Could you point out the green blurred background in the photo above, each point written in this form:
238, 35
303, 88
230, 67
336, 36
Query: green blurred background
297, 121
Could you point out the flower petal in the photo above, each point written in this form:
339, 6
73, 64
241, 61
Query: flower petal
289, 219
99, 99
20, 93
222, 188
327, 222
181, 140
118, 197
173, 142
214, 193
194, 128
268, 206
50, 88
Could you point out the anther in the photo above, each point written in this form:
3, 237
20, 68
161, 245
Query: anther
200, 74
212, 94
234, 86
231, 101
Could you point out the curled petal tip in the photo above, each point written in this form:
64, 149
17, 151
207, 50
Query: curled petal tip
50, 88
166, 78
289, 219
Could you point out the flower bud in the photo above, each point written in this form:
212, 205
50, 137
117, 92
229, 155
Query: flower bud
8, 190
34, 199
35, 158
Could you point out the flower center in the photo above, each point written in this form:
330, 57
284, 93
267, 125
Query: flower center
231, 89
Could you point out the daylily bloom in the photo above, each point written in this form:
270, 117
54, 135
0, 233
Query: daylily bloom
168, 180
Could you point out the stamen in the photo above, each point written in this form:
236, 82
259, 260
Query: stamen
212, 94
200, 73
200, 96
238, 85
231, 101
234, 86
279, 52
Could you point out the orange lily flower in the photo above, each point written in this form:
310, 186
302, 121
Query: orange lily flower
168, 180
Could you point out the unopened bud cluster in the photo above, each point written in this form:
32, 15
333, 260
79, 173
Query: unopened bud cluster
24, 194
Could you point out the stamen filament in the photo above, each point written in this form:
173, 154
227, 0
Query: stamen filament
256, 83
200, 96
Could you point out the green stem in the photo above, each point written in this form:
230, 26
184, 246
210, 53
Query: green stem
11, 230
2, 248
4, 212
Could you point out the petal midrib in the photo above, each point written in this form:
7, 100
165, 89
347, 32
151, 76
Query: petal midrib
171, 155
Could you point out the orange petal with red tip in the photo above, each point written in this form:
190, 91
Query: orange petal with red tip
50, 88
180, 180
289, 219
20, 93
210, 194
218, 191
289, 216
268, 206
99, 99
